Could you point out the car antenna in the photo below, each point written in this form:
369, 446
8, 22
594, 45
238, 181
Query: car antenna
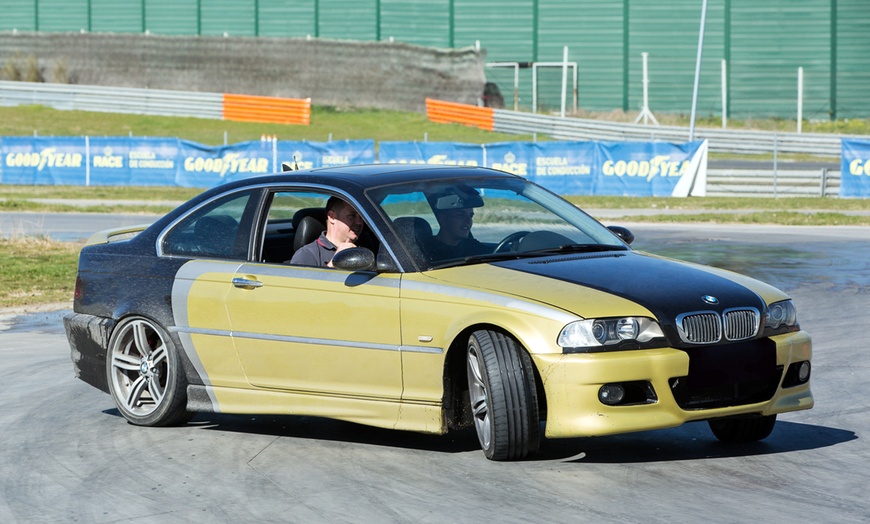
285, 166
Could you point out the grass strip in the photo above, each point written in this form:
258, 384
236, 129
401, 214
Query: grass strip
36, 271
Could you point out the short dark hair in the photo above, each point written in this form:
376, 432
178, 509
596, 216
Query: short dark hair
334, 204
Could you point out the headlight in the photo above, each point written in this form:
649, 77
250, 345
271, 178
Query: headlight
609, 334
781, 315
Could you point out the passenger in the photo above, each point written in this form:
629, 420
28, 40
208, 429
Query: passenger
454, 211
343, 229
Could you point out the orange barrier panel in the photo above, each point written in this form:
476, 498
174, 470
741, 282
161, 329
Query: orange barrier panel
453, 113
248, 108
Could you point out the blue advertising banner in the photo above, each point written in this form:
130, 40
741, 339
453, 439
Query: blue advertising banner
116, 161
855, 168
433, 153
645, 168
206, 166
567, 168
308, 155
44, 161
562, 167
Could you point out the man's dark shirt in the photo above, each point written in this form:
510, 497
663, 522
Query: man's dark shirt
317, 253
465, 248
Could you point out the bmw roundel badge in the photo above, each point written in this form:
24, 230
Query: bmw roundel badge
710, 299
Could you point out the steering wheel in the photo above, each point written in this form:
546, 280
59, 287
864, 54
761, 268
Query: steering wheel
511, 240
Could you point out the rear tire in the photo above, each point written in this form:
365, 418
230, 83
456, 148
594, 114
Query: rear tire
749, 429
144, 374
503, 395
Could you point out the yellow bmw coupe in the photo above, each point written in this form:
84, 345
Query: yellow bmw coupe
427, 299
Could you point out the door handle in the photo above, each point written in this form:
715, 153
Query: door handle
246, 283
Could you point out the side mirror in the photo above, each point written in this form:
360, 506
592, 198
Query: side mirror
354, 259
623, 233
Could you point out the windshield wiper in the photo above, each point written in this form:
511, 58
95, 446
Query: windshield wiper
579, 248
516, 255
489, 257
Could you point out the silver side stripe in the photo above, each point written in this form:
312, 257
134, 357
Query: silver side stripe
307, 340
508, 302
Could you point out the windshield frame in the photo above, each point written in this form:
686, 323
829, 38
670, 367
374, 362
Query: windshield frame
569, 215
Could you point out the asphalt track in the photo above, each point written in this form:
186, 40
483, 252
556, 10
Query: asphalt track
66, 455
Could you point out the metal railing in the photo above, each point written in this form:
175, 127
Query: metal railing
720, 140
113, 99
790, 182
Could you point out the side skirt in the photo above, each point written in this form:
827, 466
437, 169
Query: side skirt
406, 416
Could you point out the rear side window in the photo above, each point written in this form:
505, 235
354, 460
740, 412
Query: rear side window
220, 229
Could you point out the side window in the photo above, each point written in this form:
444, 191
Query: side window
294, 219
220, 229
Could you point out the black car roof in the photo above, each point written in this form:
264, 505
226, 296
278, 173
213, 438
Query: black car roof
368, 175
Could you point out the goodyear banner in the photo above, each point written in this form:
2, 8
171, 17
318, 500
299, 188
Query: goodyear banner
44, 161
308, 155
565, 168
651, 169
575, 168
433, 153
855, 169
161, 161
205, 166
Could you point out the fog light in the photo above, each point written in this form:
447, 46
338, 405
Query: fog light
803, 372
611, 394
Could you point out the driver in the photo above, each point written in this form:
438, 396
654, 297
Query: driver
454, 210
344, 225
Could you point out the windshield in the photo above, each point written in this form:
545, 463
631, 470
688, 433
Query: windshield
448, 222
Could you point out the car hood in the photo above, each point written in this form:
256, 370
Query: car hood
590, 285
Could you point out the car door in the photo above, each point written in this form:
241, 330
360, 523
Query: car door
316, 330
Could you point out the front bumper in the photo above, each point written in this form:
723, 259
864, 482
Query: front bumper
572, 381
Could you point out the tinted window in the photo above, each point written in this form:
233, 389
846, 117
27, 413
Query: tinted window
213, 231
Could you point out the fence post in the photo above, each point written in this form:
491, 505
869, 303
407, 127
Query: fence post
800, 107
824, 183
87, 161
775, 147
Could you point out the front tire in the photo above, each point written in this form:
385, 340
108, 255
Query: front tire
144, 374
749, 429
503, 396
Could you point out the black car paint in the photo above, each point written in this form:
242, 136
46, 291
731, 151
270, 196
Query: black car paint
665, 287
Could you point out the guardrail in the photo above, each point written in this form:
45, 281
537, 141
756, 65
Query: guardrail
737, 182
720, 140
161, 102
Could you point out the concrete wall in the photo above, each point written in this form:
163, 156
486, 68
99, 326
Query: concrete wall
330, 72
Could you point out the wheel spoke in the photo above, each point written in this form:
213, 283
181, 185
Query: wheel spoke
156, 391
140, 335
134, 395
126, 362
478, 408
159, 354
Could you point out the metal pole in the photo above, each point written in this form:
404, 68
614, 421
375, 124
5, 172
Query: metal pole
724, 94
534, 88
644, 57
800, 115
698, 70
564, 79
516, 86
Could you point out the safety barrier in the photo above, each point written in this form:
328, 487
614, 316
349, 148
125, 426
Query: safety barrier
742, 182
721, 140
247, 108
161, 102
443, 112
